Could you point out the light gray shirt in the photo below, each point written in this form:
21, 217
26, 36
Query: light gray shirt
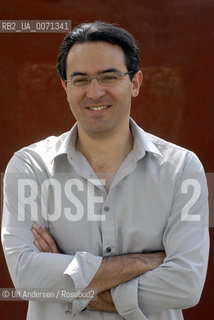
157, 201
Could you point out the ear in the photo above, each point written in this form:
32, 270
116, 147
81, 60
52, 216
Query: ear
136, 83
64, 85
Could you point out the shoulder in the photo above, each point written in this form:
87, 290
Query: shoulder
175, 155
161, 151
35, 154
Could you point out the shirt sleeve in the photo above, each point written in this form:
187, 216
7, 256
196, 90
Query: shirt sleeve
178, 282
29, 268
125, 297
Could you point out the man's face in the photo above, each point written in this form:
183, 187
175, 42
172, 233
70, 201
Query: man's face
100, 108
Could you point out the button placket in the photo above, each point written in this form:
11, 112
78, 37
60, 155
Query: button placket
108, 228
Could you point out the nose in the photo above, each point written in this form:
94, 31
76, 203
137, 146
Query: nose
95, 90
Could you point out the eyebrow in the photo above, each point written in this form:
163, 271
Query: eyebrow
78, 73
110, 70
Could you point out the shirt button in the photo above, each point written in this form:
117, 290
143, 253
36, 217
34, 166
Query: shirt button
108, 249
106, 209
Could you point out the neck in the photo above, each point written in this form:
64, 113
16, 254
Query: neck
105, 153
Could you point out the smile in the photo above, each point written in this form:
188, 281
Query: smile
99, 108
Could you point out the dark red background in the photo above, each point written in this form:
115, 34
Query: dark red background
176, 41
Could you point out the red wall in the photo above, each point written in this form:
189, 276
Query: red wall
176, 42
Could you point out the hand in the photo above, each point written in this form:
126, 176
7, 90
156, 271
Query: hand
45, 243
103, 302
43, 240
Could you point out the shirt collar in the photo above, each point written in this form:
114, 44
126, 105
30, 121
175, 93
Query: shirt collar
66, 144
142, 143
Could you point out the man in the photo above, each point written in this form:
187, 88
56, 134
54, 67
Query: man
106, 205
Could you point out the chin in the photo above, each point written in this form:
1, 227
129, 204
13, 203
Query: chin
98, 130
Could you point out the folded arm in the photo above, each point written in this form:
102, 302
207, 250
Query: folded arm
112, 271
178, 282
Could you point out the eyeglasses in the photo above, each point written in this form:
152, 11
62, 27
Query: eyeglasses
103, 79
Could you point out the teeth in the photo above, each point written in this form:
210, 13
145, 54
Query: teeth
98, 108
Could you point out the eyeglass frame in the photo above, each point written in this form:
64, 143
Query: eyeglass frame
97, 76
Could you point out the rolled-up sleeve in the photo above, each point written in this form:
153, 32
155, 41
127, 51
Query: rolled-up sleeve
178, 282
125, 297
82, 269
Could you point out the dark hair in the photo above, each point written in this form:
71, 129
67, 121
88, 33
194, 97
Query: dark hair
99, 31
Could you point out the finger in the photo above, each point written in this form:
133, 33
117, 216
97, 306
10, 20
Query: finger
36, 243
43, 245
46, 237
